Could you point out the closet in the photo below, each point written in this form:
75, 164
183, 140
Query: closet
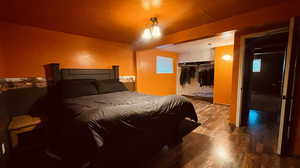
205, 67
196, 79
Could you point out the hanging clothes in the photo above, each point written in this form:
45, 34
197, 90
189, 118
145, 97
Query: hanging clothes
187, 73
206, 77
192, 71
183, 76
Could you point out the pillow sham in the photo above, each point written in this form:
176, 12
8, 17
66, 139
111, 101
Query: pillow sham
109, 86
77, 88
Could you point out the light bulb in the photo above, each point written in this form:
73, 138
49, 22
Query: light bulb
147, 34
227, 57
156, 31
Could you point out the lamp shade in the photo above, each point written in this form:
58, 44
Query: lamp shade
156, 31
147, 34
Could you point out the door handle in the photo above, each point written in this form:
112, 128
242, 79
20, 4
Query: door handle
287, 97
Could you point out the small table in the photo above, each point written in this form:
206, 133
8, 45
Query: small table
21, 124
130, 86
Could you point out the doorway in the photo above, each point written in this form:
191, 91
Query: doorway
264, 64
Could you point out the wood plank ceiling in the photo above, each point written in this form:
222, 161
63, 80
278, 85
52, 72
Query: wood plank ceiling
122, 20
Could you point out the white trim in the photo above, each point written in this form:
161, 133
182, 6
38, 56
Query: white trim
178, 71
285, 85
240, 82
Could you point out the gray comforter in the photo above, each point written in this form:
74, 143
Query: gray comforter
120, 124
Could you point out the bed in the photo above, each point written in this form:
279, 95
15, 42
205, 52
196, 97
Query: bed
109, 125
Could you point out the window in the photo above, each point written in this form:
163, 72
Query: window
256, 67
164, 65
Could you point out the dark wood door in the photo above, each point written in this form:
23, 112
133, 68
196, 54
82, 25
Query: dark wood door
291, 119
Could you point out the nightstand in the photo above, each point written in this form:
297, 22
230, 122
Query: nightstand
130, 86
22, 124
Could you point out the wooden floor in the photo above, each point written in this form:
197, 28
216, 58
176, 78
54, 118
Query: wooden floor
215, 144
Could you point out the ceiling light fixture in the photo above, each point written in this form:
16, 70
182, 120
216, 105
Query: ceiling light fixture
152, 32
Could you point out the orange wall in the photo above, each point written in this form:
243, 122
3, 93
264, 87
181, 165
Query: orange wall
147, 80
2, 63
223, 75
27, 49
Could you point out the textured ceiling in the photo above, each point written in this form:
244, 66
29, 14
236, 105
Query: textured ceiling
122, 20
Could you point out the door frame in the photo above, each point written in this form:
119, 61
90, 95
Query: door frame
241, 76
287, 76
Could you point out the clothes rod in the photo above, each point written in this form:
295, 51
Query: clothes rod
268, 53
196, 63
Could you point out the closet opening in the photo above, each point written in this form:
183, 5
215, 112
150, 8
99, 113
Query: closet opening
198, 76
204, 69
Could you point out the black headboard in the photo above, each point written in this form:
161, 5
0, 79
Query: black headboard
98, 74
55, 74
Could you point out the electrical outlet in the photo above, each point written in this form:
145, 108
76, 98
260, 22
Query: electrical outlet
3, 148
